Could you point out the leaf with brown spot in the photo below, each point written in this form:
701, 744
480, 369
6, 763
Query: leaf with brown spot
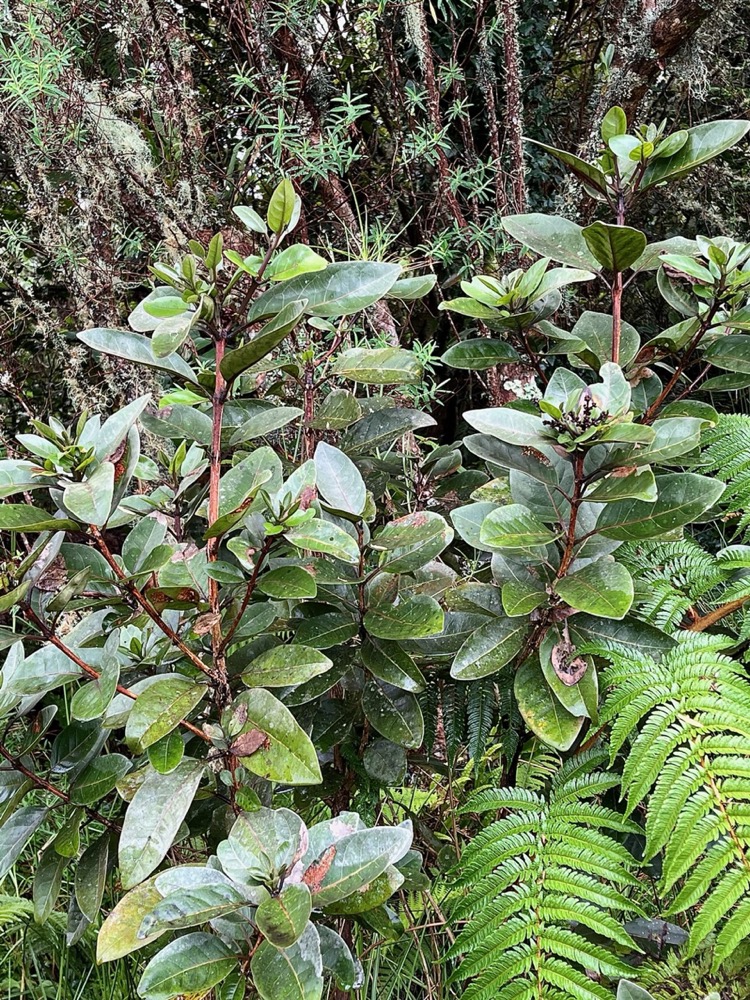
250, 742
314, 875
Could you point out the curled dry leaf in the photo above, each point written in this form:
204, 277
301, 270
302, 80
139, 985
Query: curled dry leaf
568, 667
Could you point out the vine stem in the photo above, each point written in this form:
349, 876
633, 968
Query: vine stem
40, 782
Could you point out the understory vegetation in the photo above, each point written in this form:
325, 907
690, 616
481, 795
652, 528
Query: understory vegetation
375, 521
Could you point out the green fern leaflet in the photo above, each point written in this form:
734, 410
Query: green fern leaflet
545, 883
690, 761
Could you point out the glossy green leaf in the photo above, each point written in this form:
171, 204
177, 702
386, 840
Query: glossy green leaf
590, 176
615, 247
153, 818
281, 206
580, 698
339, 290
615, 122
24, 517
166, 753
47, 883
514, 527
91, 876
338, 960
674, 437
285, 318
379, 430
115, 429
137, 348
159, 709
338, 410
389, 662
98, 778
16, 832
551, 236
322, 536
294, 973
541, 711
294, 260
261, 843
731, 352
410, 618
531, 461
288, 583
479, 354
410, 289
379, 366
603, 588
118, 935
511, 426
338, 479
683, 497
521, 597
360, 857
393, 713
385, 762
17, 476
704, 143
285, 665
287, 755
595, 330
250, 218
243, 480
282, 919
171, 334
192, 905
374, 894
489, 648
192, 963
326, 630
639, 484
411, 541
265, 422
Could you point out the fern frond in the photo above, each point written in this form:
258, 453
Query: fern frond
672, 579
544, 869
481, 714
690, 765
727, 456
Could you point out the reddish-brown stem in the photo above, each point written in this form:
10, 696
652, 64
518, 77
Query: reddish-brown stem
309, 410
221, 388
682, 365
248, 594
146, 605
575, 502
701, 624
50, 636
52, 789
616, 316
617, 287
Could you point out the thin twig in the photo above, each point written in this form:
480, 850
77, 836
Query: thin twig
53, 789
147, 606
